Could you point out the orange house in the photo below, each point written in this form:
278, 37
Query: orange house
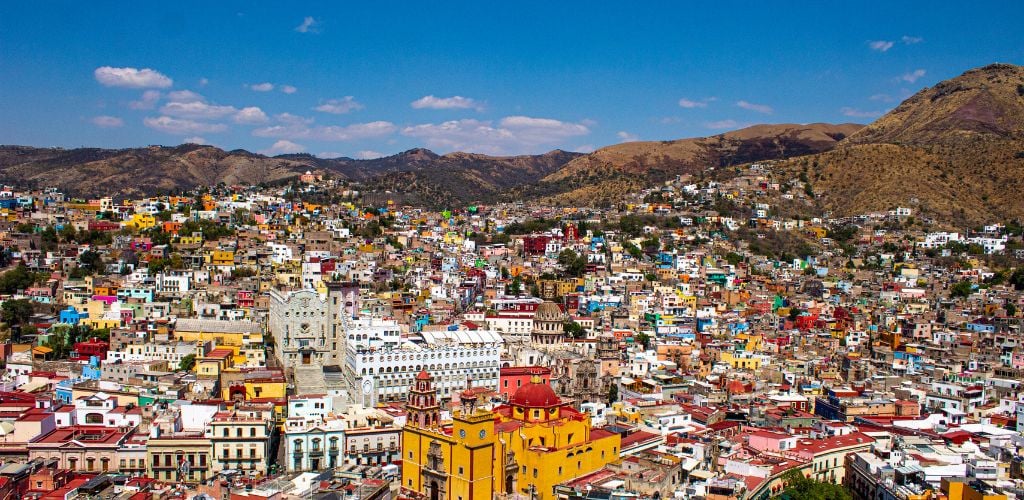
171, 227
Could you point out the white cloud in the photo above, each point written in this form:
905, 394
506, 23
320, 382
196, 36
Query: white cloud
147, 101
722, 124
288, 89
881, 97
185, 96
107, 121
760, 108
584, 148
512, 134
194, 140
197, 110
251, 115
453, 102
627, 137
132, 78
857, 113
290, 119
911, 40
309, 25
912, 76
341, 106
880, 45
688, 104
282, 147
262, 87
174, 126
368, 154
330, 155
299, 128
202, 83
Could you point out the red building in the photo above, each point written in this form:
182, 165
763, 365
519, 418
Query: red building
92, 347
246, 299
104, 225
536, 245
512, 378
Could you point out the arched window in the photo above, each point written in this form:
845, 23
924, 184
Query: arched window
94, 418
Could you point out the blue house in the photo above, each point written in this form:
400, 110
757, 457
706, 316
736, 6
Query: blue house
71, 316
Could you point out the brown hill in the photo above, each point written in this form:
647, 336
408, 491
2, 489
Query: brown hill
609, 173
954, 151
136, 171
424, 176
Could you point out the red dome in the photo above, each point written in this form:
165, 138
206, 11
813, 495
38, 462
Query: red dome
535, 395
423, 375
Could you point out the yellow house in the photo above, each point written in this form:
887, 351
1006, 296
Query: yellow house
222, 258
194, 239
215, 362
959, 489
253, 384
165, 454
242, 333
140, 222
741, 361
525, 447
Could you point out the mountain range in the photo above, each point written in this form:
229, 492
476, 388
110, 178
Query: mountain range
954, 150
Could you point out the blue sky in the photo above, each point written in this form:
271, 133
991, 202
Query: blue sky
363, 80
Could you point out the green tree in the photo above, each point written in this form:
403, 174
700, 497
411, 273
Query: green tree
573, 263
642, 339
16, 312
516, 287
574, 330
801, 488
1017, 279
961, 289
187, 363
16, 279
92, 261
613, 393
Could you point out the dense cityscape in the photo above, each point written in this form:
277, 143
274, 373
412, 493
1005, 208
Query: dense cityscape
245, 340
511, 250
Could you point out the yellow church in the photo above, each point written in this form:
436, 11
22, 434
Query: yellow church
526, 446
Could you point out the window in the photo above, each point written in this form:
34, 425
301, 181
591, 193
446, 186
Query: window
252, 432
226, 433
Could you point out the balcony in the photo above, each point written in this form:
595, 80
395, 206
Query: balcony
316, 453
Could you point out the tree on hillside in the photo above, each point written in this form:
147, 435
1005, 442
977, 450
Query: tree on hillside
574, 330
802, 488
16, 312
187, 363
961, 289
16, 279
642, 339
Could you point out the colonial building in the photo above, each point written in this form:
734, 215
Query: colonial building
308, 328
524, 447
548, 324
385, 374
82, 448
241, 439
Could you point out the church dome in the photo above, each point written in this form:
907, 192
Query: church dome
536, 394
548, 311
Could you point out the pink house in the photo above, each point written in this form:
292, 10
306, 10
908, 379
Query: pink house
1017, 361
771, 442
